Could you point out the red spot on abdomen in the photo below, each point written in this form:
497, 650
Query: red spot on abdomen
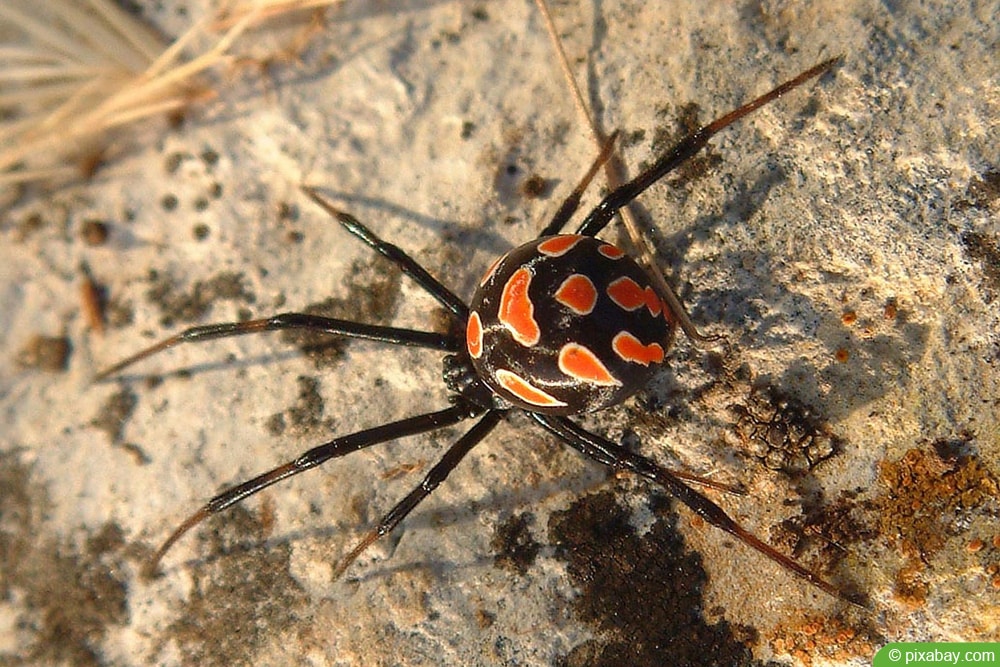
516, 312
558, 245
610, 251
581, 364
578, 294
629, 295
525, 391
630, 348
474, 335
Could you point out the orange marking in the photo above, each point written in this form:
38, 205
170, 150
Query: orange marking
474, 335
667, 314
626, 293
630, 348
610, 251
517, 313
653, 302
581, 364
525, 391
578, 294
558, 246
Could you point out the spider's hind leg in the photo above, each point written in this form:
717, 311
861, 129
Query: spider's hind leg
686, 148
572, 201
396, 255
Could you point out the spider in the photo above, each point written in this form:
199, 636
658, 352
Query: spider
562, 325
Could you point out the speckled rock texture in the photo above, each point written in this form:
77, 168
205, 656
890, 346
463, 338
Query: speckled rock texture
843, 240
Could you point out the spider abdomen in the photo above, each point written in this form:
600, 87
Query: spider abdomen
567, 324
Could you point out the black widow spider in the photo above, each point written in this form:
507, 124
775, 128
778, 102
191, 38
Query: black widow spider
562, 325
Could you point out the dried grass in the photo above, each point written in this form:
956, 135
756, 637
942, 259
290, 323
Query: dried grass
74, 73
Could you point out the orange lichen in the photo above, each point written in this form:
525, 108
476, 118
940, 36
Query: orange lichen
928, 499
821, 638
925, 493
92, 302
909, 586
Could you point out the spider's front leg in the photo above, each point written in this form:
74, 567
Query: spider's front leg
335, 448
333, 326
431, 481
611, 454
287, 321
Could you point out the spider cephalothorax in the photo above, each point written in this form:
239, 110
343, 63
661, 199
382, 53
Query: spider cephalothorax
562, 325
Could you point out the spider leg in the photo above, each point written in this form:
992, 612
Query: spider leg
572, 202
614, 455
396, 255
434, 477
335, 448
686, 148
733, 489
284, 321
